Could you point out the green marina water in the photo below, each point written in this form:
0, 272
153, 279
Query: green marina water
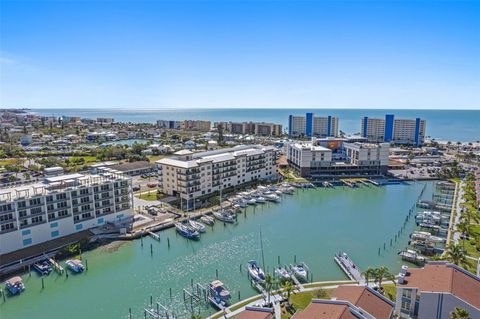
313, 224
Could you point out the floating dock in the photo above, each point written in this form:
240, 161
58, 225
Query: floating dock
348, 267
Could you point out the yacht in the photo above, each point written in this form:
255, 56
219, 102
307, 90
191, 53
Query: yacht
75, 265
207, 220
218, 294
272, 197
186, 231
196, 225
300, 271
282, 273
43, 267
224, 216
256, 273
15, 285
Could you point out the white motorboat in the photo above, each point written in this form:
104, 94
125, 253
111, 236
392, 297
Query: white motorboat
300, 271
197, 225
282, 273
260, 199
272, 197
207, 220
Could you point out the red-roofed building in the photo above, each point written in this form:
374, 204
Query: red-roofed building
255, 313
436, 290
350, 302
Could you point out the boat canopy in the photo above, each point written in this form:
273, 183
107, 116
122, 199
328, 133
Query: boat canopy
216, 283
14, 280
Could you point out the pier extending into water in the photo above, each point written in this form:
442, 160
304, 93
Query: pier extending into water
348, 267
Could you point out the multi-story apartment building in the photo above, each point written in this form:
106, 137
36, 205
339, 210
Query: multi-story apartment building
188, 125
196, 125
436, 290
310, 125
392, 130
193, 175
320, 158
34, 213
257, 128
172, 125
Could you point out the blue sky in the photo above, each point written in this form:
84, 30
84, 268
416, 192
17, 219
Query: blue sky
173, 54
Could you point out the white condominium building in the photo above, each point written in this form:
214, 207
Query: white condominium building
397, 131
310, 125
34, 213
257, 128
338, 158
193, 175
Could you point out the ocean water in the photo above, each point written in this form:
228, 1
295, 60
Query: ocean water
444, 125
312, 224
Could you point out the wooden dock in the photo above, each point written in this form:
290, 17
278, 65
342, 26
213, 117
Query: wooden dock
348, 267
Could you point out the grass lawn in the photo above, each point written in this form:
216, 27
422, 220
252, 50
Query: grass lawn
152, 195
10, 161
302, 300
390, 291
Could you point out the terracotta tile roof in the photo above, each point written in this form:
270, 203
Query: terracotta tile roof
365, 299
318, 310
447, 278
251, 313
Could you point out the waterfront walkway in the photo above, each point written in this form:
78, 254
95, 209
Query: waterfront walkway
235, 309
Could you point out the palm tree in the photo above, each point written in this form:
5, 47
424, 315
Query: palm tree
456, 254
459, 313
269, 283
382, 273
288, 288
369, 274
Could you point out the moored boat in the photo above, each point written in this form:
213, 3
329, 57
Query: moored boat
224, 217
187, 232
197, 226
15, 285
208, 220
255, 272
75, 265
300, 271
218, 294
282, 273
43, 267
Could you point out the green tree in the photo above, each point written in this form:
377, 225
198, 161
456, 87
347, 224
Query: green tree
288, 288
456, 255
369, 274
270, 282
459, 313
380, 274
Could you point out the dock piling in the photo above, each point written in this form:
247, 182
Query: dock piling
278, 259
168, 242
216, 273
43, 284
294, 258
86, 264
151, 249
3, 295
170, 291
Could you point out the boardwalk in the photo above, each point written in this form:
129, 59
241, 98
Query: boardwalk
349, 268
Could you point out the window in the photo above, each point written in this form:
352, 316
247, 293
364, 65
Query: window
6, 217
51, 215
62, 213
79, 226
54, 233
53, 225
61, 196
26, 232
6, 227
36, 210
22, 204
37, 219
35, 201
100, 221
27, 242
